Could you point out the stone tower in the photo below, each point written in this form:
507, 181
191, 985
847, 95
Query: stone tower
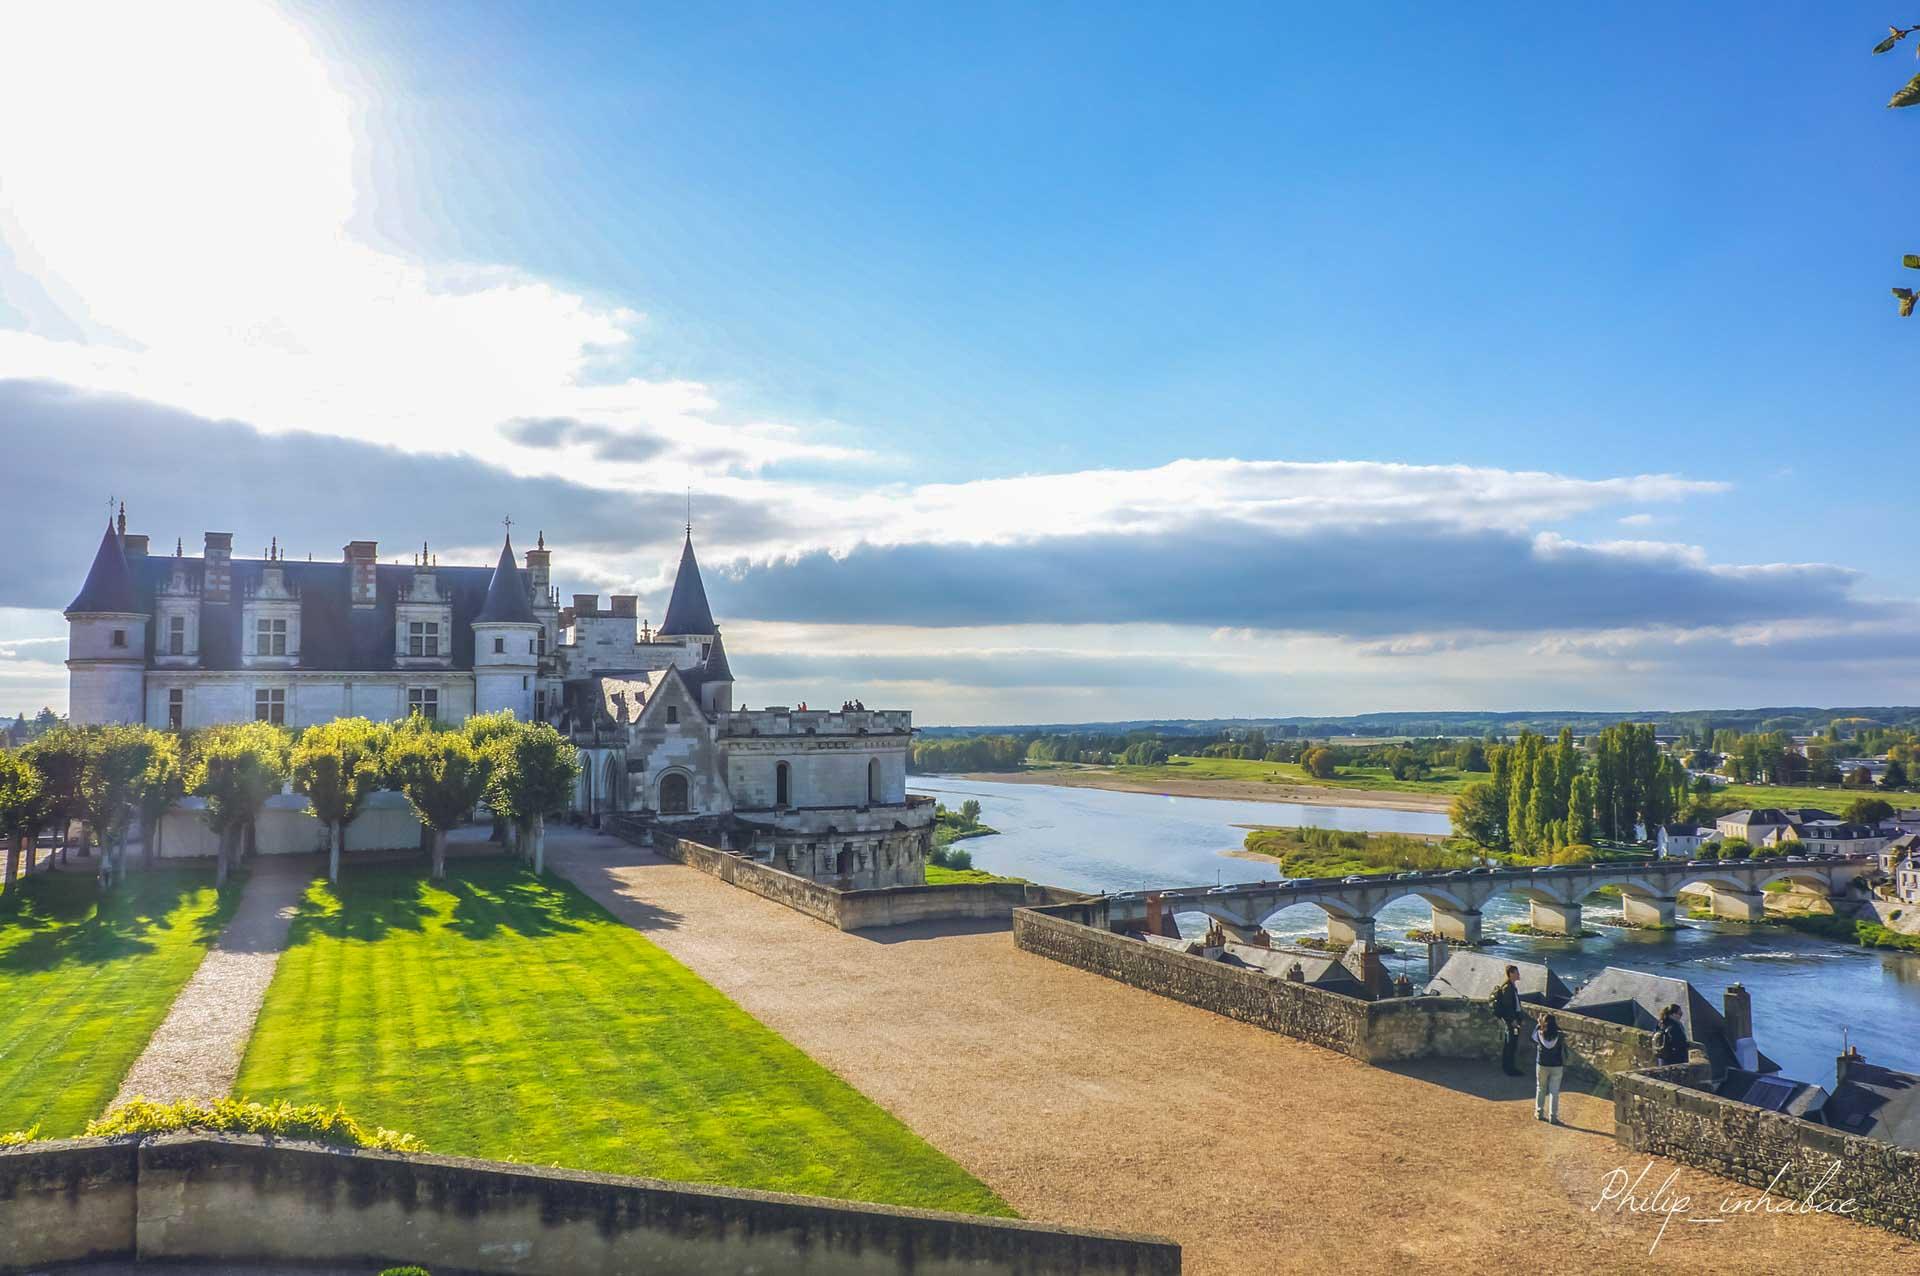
107, 639
506, 634
690, 620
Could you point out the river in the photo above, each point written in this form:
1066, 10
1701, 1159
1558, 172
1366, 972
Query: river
1805, 990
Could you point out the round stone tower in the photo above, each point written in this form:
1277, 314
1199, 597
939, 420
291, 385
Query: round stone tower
107, 640
506, 636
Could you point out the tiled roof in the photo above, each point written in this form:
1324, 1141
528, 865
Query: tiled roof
506, 593
110, 584
687, 610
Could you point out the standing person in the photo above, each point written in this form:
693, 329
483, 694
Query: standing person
1506, 1008
1550, 1065
1670, 1038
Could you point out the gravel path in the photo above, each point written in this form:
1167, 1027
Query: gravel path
1083, 1101
195, 1053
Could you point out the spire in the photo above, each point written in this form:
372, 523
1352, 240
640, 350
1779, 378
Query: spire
506, 593
109, 584
687, 610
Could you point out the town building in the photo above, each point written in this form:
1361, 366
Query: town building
1635, 998
179, 642
1866, 1099
1815, 831
1680, 841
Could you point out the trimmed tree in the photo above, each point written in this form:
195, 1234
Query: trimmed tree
60, 756
158, 789
23, 809
487, 732
533, 772
236, 768
116, 762
443, 777
336, 766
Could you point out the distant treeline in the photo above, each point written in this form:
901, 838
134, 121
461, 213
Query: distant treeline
1700, 723
1406, 760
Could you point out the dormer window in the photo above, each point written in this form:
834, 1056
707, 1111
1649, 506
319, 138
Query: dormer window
269, 637
177, 636
673, 714
423, 638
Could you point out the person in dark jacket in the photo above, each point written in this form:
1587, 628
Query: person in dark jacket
1670, 1038
1550, 1065
1506, 1008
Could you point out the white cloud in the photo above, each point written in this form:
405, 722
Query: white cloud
178, 194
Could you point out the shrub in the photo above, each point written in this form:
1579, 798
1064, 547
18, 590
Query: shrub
139, 1118
406, 1271
15, 1138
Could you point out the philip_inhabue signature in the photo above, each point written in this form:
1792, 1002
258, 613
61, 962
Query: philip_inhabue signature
1629, 1193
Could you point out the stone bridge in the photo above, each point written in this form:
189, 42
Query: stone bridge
1648, 888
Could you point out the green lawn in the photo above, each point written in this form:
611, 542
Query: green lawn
1443, 782
1835, 799
503, 1016
83, 987
938, 876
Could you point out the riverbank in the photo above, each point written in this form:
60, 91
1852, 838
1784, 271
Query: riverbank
1226, 790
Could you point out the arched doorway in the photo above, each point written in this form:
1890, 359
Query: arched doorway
873, 781
782, 784
610, 784
673, 794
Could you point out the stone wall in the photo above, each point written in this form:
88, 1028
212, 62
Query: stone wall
851, 910
1386, 1031
1664, 1112
240, 1200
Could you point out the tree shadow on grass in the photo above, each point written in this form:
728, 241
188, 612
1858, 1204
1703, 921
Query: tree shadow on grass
363, 906
72, 923
489, 898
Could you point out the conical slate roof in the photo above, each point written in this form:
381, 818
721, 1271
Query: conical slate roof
506, 594
715, 669
109, 584
687, 610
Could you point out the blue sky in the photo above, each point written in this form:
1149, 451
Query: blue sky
837, 266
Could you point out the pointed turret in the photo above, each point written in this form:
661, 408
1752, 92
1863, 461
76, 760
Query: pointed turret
687, 610
109, 586
506, 593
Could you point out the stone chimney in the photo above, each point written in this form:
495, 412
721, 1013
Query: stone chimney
216, 584
627, 605
539, 565
363, 558
135, 546
1843, 1065
1737, 1006
586, 605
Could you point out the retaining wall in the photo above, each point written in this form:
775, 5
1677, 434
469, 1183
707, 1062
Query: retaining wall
241, 1200
1664, 1112
1386, 1031
852, 910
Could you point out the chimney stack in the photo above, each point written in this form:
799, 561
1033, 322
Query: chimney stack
1844, 1065
1737, 1007
216, 582
539, 564
627, 605
135, 545
586, 605
362, 557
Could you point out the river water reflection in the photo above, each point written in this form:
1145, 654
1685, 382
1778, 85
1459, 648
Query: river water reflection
1805, 990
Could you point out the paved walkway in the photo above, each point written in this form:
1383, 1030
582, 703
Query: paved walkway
196, 1051
1084, 1101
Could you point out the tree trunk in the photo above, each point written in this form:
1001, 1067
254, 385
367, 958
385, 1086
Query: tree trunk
439, 855
152, 845
336, 844
539, 845
220, 859
252, 846
14, 848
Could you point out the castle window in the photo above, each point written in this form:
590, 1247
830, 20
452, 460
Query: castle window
270, 637
176, 709
540, 706
673, 795
782, 784
673, 714
424, 701
873, 781
529, 646
119, 637
423, 638
177, 636
270, 705
499, 646
543, 640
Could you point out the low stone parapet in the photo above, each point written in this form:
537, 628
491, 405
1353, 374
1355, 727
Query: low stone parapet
241, 1200
1668, 1112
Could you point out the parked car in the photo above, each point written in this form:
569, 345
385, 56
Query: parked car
1357, 877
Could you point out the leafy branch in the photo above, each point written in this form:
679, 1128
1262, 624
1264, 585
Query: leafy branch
1908, 95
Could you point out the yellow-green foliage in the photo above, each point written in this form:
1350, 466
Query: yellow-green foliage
1317, 852
15, 1138
311, 1122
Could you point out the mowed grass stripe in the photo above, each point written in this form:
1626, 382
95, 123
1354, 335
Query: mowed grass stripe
84, 983
503, 1016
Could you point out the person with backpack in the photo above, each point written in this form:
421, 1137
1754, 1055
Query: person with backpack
1506, 1008
1550, 1065
1670, 1038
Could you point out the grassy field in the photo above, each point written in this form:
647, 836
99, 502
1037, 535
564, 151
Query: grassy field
1443, 781
1314, 852
1835, 799
504, 1016
938, 876
83, 987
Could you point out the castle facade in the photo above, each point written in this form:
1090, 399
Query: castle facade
179, 642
